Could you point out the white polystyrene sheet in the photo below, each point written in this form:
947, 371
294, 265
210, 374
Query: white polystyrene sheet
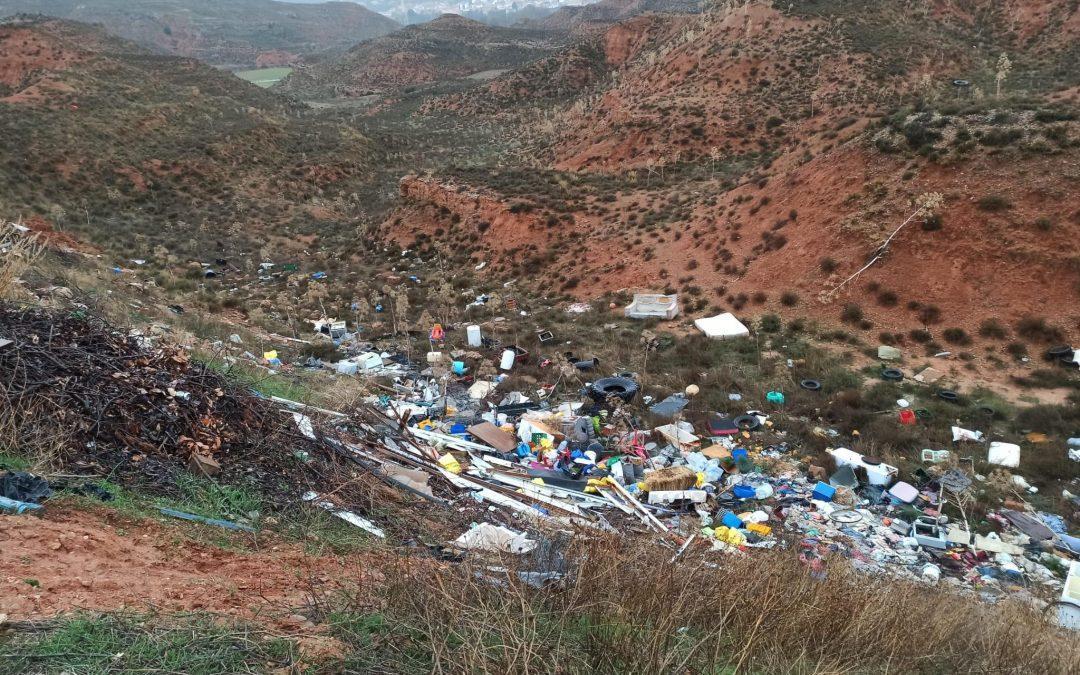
905, 492
723, 326
1071, 590
878, 474
368, 360
495, 538
1004, 454
678, 434
480, 389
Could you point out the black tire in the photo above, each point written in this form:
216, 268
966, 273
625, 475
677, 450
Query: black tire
1055, 353
893, 374
622, 387
747, 422
987, 410
810, 385
948, 395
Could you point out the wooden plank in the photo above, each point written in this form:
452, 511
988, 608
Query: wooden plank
494, 436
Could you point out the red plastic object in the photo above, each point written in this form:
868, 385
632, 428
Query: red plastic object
907, 416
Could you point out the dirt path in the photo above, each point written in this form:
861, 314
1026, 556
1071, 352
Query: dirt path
97, 560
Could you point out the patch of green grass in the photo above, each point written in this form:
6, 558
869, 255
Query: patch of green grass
318, 531
374, 640
277, 385
200, 496
11, 462
209, 498
261, 381
982, 396
264, 77
322, 533
128, 502
114, 643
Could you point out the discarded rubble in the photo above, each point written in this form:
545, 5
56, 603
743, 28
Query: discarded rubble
530, 464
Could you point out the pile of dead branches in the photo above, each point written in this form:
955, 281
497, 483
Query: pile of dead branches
127, 405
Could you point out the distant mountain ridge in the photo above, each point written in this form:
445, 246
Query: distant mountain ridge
133, 150
449, 47
578, 18
232, 33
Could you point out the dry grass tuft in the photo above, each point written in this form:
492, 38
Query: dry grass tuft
22, 436
630, 609
17, 254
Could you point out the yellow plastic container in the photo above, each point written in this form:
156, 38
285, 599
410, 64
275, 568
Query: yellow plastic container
450, 463
758, 528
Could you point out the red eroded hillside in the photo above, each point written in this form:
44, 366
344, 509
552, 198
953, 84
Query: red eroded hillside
751, 78
133, 150
30, 63
1010, 263
598, 15
24, 53
741, 80
1046, 24
753, 157
981, 263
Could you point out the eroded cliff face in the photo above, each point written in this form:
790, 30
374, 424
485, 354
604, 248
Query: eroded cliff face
462, 216
624, 41
743, 245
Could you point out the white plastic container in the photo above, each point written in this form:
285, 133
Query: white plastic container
507, 360
472, 333
347, 367
881, 475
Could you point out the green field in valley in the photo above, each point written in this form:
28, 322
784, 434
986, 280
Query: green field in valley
264, 77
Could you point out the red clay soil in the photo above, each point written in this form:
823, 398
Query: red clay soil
52, 238
276, 58
1056, 22
30, 63
979, 265
689, 83
98, 560
24, 51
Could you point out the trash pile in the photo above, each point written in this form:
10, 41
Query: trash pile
441, 439
732, 485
